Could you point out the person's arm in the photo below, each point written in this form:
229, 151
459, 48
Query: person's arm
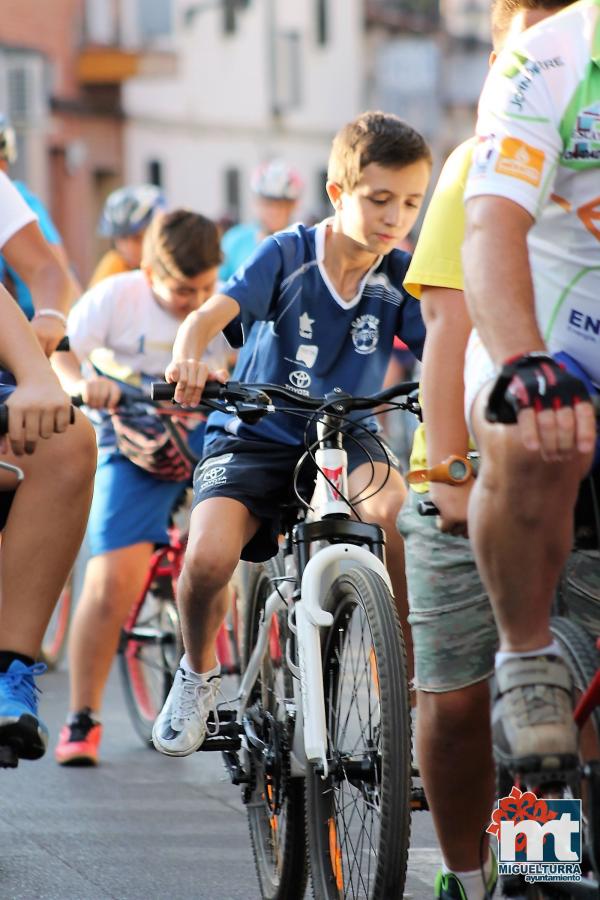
193, 337
511, 180
498, 282
252, 291
38, 407
442, 385
32, 258
95, 391
89, 328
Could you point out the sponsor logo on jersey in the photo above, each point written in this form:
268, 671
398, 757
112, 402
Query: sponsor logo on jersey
520, 160
524, 70
484, 151
306, 324
365, 334
584, 143
587, 326
307, 354
300, 380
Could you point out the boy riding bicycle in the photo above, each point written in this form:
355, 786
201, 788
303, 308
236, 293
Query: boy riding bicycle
319, 309
126, 326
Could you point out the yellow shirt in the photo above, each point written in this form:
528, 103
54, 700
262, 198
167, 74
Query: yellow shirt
437, 261
112, 263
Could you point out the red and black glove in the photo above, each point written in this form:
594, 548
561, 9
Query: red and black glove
532, 381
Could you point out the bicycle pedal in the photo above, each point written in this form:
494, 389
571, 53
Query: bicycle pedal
219, 743
8, 757
418, 800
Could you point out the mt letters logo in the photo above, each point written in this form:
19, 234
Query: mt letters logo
539, 839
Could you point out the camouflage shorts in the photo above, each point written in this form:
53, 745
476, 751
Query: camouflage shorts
581, 589
453, 628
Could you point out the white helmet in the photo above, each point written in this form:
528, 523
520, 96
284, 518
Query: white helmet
275, 180
129, 209
8, 141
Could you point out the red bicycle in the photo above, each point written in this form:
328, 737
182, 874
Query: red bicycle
151, 644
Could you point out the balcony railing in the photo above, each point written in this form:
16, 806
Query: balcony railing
403, 15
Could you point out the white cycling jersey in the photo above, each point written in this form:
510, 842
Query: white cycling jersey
539, 145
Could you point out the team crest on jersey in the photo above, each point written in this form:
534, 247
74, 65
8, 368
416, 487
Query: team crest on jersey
365, 334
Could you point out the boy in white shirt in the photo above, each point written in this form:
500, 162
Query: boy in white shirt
125, 327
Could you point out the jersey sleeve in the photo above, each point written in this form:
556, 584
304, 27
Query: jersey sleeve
518, 131
436, 260
90, 319
14, 212
411, 328
255, 286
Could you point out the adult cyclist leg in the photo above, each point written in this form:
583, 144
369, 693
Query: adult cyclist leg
522, 534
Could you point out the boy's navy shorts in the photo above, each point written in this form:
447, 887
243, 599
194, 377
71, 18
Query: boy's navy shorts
260, 475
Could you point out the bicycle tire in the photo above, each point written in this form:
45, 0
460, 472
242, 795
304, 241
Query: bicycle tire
56, 636
387, 791
581, 656
151, 647
281, 869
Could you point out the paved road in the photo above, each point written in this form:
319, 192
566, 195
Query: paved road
140, 827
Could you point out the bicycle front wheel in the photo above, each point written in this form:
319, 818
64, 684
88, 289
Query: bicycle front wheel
358, 818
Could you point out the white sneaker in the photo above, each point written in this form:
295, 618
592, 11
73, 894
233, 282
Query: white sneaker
180, 728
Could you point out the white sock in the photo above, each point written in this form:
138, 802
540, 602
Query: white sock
552, 649
473, 886
184, 664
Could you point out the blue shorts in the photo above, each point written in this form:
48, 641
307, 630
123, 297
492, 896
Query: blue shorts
130, 506
260, 475
7, 386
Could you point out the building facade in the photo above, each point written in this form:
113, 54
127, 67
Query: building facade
255, 79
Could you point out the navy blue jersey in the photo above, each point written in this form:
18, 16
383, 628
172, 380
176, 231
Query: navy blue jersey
298, 332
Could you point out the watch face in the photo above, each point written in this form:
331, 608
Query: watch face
458, 469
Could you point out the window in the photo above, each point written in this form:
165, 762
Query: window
322, 13
155, 18
155, 172
231, 9
288, 66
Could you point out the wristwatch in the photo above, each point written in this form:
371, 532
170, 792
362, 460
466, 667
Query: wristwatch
453, 470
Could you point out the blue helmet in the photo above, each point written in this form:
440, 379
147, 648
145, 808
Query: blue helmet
129, 210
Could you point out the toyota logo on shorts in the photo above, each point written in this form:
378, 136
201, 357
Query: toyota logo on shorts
214, 473
300, 379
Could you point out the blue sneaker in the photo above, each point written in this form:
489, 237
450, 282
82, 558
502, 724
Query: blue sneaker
21, 730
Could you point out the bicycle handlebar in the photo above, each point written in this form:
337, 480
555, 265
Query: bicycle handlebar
260, 396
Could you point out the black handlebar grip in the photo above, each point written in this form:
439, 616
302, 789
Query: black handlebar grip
63, 346
162, 390
427, 508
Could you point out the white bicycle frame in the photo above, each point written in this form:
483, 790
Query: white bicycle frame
325, 565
